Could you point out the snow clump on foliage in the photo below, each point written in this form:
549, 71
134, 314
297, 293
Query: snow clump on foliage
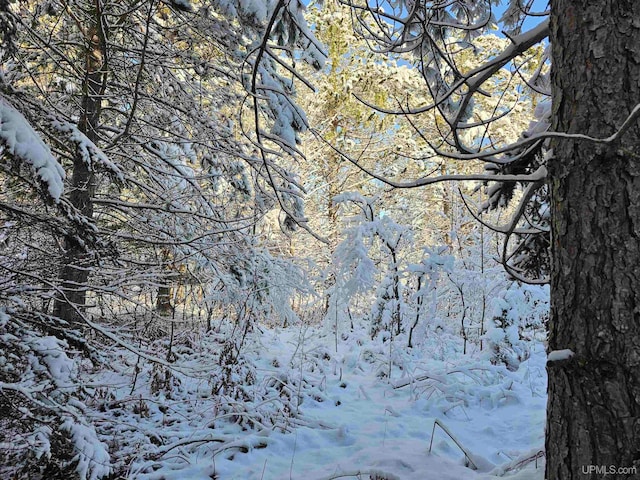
21, 141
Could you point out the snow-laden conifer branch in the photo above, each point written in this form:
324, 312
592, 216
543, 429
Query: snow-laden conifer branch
19, 140
271, 101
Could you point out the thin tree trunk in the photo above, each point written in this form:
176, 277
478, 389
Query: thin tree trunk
396, 293
593, 422
331, 175
419, 300
74, 273
165, 290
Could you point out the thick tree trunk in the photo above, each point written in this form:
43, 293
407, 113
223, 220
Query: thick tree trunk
74, 273
593, 422
75, 270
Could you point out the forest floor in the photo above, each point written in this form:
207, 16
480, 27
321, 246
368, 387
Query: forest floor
345, 418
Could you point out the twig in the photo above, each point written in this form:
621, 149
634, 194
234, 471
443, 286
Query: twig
446, 430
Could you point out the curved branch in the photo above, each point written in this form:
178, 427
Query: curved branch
474, 79
537, 176
503, 229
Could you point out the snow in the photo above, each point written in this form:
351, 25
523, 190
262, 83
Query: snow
92, 455
350, 422
258, 8
39, 442
306, 402
22, 141
88, 151
376, 428
559, 355
53, 355
48, 382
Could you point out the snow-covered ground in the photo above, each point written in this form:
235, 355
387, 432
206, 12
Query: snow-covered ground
351, 420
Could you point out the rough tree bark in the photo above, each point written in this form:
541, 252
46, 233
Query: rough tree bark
74, 273
593, 423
